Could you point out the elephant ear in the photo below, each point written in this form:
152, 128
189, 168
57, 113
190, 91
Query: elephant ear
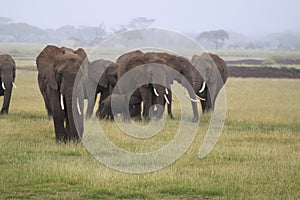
218, 61
45, 62
81, 53
85, 61
14, 68
97, 73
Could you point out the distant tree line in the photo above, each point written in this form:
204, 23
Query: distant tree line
93, 35
218, 39
82, 35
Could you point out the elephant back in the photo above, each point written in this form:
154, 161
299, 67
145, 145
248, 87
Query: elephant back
128, 61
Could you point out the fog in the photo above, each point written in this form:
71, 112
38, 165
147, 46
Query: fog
247, 17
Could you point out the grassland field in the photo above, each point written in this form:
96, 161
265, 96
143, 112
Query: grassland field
256, 156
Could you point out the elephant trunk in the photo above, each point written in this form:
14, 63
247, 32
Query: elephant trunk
74, 118
160, 98
188, 83
199, 85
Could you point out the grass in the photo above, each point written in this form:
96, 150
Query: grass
256, 157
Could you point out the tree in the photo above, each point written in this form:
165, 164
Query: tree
21, 32
218, 37
101, 34
140, 22
5, 20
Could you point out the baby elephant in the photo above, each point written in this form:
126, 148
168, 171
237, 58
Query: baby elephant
121, 104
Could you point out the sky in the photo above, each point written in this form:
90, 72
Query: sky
242, 16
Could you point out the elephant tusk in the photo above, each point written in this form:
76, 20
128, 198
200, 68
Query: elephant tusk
202, 88
3, 86
166, 98
78, 107
62, 102
167, 92
203, 99
155, 92
14, 85
193, 100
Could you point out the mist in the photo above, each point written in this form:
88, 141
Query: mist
247, 17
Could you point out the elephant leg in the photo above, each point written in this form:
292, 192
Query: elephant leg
169, 106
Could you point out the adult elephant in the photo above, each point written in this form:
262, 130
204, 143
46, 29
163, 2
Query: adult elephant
214, 71
57, 71
151, 72
7, 78
184, 76
102, 77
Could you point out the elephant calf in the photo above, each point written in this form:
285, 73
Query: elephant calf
7, 78
120, 103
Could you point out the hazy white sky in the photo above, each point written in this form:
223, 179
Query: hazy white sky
244, 16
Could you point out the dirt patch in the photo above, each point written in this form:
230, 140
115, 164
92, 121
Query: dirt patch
262, 62
262, 72
245, 62
287, 61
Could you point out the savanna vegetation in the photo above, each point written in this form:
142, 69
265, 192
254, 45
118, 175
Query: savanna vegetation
256, 156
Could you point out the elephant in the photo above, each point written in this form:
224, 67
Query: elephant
167, 101
120, 101
184, 76
7, 78
57, 71
102, 77
213, 70
149, 71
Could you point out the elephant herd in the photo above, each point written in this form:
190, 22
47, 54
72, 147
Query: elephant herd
137, 85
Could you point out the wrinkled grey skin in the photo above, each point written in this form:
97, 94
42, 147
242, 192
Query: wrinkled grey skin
7, 77
213, 70
101, 79
146, 69
57, 70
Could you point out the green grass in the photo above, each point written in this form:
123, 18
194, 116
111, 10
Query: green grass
256, 157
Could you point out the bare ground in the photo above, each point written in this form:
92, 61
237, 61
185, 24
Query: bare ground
262, 72
235, 69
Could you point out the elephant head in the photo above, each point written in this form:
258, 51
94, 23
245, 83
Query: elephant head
57, 71
158, 73
102, 77
7, 78
183, 75
213, 70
